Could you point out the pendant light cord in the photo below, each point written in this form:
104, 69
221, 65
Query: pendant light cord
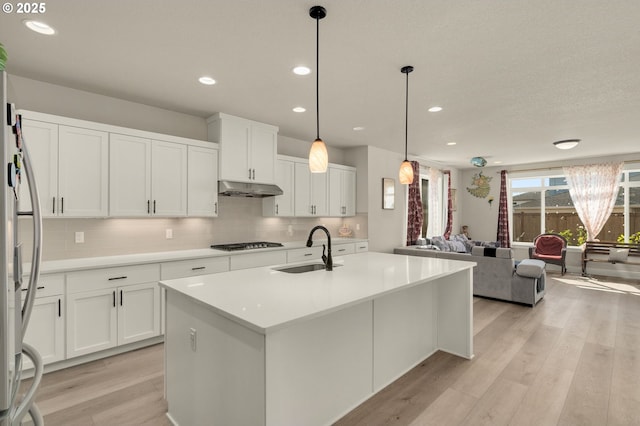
318, 78
406, 120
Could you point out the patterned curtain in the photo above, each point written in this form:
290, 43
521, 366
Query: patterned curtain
447, 230
414, 213
593, 189
503, 213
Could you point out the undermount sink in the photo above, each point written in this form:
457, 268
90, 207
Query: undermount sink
298, 269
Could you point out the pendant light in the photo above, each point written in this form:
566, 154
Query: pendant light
406, 169
318, 156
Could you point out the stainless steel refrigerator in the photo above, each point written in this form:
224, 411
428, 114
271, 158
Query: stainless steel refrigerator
16, 296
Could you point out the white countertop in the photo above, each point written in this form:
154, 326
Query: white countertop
266, 300
67, 265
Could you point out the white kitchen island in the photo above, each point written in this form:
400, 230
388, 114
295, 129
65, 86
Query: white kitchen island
264, 347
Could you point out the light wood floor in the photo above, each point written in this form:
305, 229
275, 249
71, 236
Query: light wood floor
574, 359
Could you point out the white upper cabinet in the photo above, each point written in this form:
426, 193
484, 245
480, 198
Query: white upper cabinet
342, 191
41, 140
202, 182
83, 172
147, 177
248, 149
129, 176
71, 169
169, 179
311, 192
282, 205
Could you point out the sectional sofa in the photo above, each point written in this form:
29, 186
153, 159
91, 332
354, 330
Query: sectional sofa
497, 275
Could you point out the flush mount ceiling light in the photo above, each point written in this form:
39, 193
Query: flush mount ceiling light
39, 27
406, 169
207, 81
299, 109
302, 70
478, 161
567, 143
318, 156
358, 129
452, 143
435, 109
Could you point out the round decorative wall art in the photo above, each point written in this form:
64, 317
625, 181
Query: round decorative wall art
480, 186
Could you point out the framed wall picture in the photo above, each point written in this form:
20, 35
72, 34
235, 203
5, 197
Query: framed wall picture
388, 193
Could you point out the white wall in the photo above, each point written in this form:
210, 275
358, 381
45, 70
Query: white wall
37, 96
386, 227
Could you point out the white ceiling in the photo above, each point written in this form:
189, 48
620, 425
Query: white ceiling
512, 75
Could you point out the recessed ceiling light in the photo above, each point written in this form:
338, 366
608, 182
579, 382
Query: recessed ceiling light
39, 27
435, 109
207, 80
302, 70
452, 143
497, 162
358, 128
299, 109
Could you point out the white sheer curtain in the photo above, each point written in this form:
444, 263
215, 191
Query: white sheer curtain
437, 207
593, 190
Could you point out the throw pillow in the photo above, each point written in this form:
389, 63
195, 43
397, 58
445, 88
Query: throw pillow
618, 254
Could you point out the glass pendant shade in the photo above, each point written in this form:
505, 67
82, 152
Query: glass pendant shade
318, 157
406, 173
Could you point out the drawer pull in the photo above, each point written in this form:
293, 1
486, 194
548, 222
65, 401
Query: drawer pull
198, 268
124, 277
308, 254
341, 249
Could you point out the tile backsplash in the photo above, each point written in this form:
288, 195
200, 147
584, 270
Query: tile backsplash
240, 219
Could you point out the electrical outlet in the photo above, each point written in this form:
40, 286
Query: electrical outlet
79, 237
193, 338
168, 234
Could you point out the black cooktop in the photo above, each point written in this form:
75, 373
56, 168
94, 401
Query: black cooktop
245, 246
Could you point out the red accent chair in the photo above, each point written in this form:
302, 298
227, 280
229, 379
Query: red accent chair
550, 248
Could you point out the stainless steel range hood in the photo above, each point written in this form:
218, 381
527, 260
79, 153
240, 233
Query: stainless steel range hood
243, 189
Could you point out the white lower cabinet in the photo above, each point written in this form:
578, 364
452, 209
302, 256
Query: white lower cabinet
46, 327
110, 307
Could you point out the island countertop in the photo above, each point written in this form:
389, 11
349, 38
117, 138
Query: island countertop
265, 299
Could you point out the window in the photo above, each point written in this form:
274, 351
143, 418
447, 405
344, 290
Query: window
533, 196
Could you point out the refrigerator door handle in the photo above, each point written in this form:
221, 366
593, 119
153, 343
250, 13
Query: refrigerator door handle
37, 238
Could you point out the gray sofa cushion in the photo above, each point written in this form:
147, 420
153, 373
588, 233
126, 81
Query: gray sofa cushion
502, 253
531, 268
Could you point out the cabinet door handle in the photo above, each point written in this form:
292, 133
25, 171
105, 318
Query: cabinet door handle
276, 209
114, 298
148, 206
253, 174
249, 173
215, 206
154, 206
59, 307
120, 297
118, 278
198, 268
62, 205
54, 205
37, 288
